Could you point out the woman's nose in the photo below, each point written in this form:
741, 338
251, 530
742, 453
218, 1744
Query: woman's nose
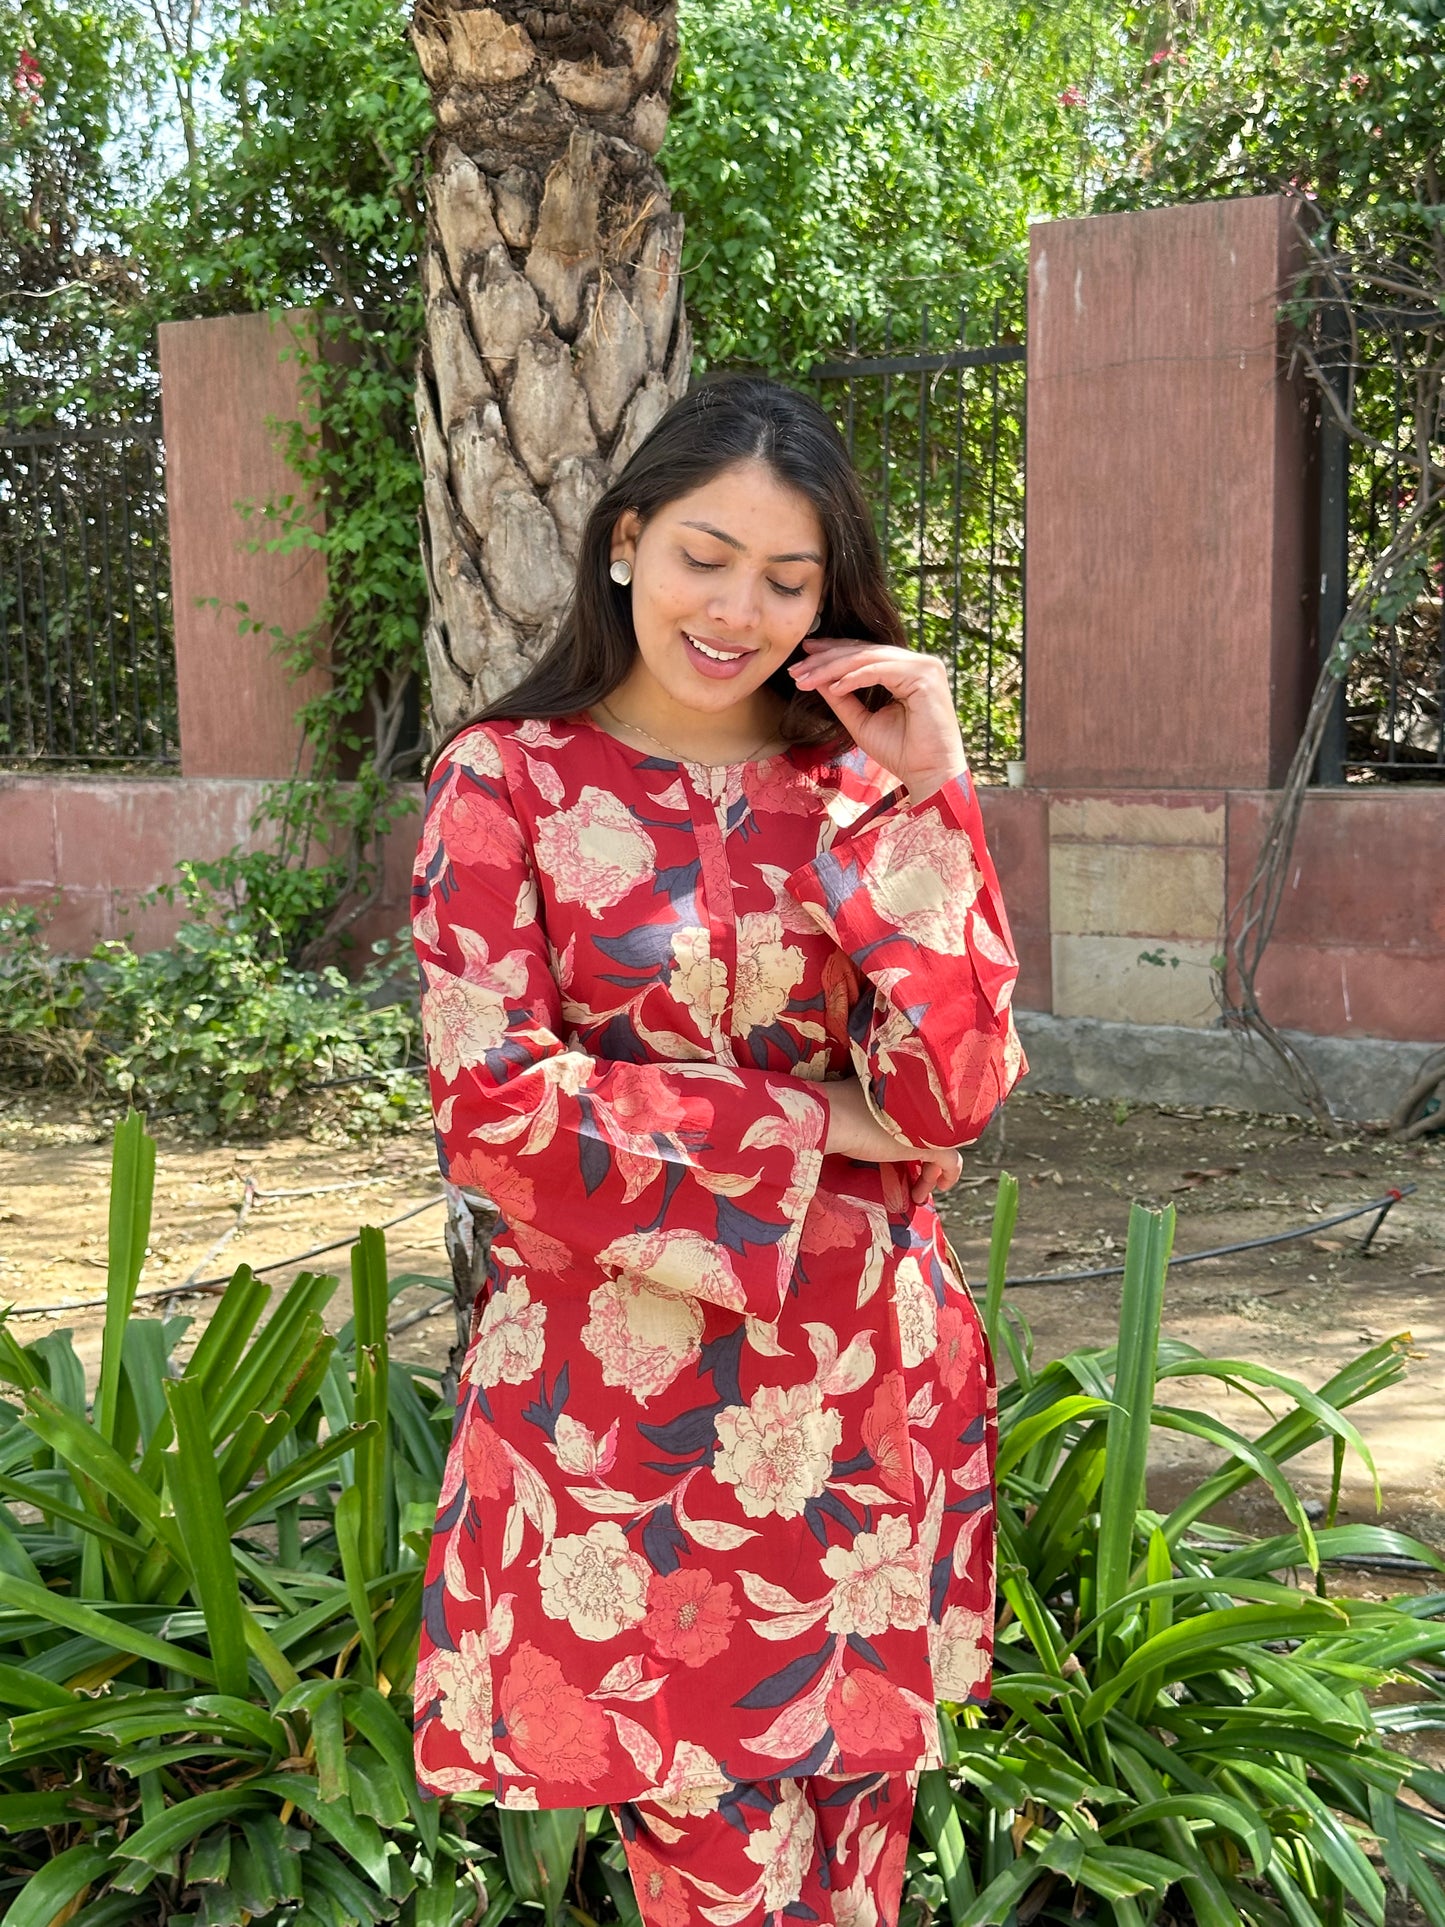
736, 604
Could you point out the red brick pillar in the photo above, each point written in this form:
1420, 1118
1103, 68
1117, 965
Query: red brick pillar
1169, 551
225, 383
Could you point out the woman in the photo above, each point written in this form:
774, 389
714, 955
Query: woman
716, 978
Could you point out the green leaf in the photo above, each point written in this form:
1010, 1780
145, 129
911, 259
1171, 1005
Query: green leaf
1146, 1261
47, 1894
356, 1835
153, 1844
132, 1187
113, 1633
378, 1722
196, 1496
538, 1850
1005, 1217
1211, 1640
942, 1828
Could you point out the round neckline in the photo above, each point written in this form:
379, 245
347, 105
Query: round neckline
682, 762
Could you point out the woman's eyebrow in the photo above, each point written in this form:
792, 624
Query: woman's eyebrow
803, 555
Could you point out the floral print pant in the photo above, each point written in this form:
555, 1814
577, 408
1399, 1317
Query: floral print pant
828, 1848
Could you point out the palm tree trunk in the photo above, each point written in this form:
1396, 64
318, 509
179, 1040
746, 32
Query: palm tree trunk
556, 333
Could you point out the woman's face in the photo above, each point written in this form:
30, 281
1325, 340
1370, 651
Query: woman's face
726, 582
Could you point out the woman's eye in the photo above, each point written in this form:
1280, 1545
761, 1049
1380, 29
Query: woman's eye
693, 562
783, 589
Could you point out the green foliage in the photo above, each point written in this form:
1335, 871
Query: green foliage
314, 198
209, 1604
1337, 99
210, 1591
1172, 1715
219, 1031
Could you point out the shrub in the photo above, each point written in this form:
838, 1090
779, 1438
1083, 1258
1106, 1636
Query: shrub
218, 1032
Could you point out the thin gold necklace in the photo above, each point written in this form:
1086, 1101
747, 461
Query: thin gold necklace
640, 731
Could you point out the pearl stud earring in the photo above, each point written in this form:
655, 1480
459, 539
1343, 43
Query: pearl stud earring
621, 571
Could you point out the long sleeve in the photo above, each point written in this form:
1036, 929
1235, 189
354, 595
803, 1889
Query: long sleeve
909, 892
693, 1177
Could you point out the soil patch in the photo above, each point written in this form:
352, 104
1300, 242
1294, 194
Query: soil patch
1305, 1308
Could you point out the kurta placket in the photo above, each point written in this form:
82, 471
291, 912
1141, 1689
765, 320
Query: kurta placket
709, 786
718, 1502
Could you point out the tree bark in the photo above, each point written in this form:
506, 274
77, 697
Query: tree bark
556, 332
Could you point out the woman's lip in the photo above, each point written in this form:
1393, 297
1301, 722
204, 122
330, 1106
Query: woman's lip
709, 666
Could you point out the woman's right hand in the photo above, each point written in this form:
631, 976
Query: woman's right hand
854, 1132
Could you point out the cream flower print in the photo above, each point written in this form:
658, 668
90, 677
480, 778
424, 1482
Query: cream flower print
642, 1336
510, 1338
917, 1310
767, 973
462, 1681
597, 852
958, 1650
476, 751
777, 1450
595, 1581
924, 879
699, 980
680, 1261
463, 1017
784, 1848
694, 1784
878, 1581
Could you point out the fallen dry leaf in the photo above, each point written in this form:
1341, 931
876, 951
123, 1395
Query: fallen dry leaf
1328, 1244
1193, 1179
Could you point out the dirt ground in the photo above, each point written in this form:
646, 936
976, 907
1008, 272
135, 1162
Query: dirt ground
1304, 1308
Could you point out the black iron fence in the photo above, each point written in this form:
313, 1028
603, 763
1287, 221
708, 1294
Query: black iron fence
87, 658
936, 427
1385, 370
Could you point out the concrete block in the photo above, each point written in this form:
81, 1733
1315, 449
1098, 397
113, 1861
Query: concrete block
1109, 889
1363, 1077
1160, 819
1102, 977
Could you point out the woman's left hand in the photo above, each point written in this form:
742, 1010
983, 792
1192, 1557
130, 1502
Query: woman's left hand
917, 736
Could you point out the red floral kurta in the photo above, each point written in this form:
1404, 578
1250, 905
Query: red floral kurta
718, 1504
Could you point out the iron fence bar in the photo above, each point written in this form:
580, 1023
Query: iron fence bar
112, 651
66, 437
132, 636
852, 349
1334, 543
48, 679
1392, 707
13, 576
162, 708
992, 545
88, 577
1002, 351
887, 431
957, 558
1024, 575
922, 481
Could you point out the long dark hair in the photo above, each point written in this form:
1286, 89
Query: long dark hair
726, 419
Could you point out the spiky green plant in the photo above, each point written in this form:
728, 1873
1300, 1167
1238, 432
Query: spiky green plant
1178, 1728
209, 1597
